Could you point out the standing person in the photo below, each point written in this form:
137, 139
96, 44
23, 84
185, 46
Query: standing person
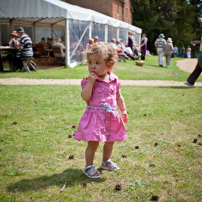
198, 69
168, 50
188, 52
101, 121
182, 51
175, 51
159, 44
24, 48
143, 46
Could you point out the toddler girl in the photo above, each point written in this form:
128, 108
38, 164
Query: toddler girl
101, 121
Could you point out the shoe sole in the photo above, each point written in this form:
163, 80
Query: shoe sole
106, 168
92, 177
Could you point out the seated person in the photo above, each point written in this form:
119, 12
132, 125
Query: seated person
119, 50
63, 40
132, 44
126, 50
14, 43
60, 55
49, 43
44, 43
90, 42
25, 49
95, 39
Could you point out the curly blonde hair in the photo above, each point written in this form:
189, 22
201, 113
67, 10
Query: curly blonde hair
105, 50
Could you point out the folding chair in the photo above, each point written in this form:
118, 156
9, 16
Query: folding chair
41, 54
27, 64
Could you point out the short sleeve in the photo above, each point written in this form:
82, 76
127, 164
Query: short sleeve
84, 82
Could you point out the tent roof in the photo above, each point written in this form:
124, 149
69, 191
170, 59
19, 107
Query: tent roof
55, 11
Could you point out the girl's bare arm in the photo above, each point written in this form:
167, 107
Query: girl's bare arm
87, 90
122, 106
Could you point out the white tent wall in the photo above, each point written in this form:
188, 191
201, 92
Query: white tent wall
54, 18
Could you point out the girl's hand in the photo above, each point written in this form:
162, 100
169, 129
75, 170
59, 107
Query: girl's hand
92, 77
124, 116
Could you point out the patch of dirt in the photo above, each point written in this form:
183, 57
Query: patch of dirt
186, 65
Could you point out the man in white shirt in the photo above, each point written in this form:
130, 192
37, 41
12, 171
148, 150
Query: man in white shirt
159, 44
62, 48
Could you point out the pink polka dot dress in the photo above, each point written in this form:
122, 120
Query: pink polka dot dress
101, 121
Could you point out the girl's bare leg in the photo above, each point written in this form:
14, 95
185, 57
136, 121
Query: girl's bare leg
90, 152
107, 150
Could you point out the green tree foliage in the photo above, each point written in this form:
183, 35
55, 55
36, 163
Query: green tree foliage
173, 18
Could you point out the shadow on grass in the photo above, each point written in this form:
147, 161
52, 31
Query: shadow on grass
69, 176
179, 87
154, 66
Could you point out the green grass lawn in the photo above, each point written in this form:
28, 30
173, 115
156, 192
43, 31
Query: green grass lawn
128, 70
34, 153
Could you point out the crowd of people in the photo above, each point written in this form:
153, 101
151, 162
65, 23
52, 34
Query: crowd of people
131, 50
22, 47
165, 49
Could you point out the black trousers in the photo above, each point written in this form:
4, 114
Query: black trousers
195, 74
142, 57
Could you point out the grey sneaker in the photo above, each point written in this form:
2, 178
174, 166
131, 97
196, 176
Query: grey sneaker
188, 84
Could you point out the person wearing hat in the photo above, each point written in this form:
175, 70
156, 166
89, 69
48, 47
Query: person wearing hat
168, 50
198, 69
13, 43
24, 48
14, 39
159, 44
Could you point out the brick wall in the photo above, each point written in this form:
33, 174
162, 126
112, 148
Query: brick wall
107, 7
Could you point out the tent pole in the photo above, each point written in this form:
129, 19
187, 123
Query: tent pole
34, 27
139, 38
11, 25
106, 33
90, 30
52, 31
117, 33
67, 43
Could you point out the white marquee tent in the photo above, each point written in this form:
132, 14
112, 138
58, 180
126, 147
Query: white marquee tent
78, 24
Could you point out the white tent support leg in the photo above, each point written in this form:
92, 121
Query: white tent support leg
106, 33
34, 28
11, 25
90, 30
67, 43
52, 31
117, 33
126, 38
